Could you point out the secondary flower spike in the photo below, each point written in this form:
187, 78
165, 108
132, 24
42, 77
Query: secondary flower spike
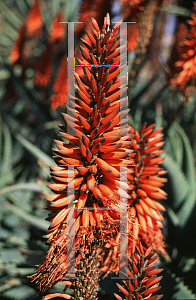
145, 183
96, 148
143, 280
184, 73
144, 188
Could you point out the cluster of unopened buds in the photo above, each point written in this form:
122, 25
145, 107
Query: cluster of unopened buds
106, 162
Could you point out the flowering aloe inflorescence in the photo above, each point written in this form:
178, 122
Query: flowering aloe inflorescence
100, 135
99, 144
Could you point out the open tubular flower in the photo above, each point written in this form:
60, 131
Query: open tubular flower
85, 284
115, 251
142, 279
95, 149
146, 183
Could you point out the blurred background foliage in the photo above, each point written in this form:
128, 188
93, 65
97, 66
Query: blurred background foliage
33, 90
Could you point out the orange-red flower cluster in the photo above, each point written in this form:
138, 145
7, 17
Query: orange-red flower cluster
142, 273
31, 26
96, 9
184, 77
96, 139
57, 31
18, 48
131, 11
94, 146
60, 86
144, 188
97, 144
30, 32
34, 21
43, 68
146, 184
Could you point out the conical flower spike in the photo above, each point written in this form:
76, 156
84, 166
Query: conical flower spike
142, 279
146, 183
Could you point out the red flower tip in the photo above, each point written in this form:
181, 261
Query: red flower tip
34, 20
